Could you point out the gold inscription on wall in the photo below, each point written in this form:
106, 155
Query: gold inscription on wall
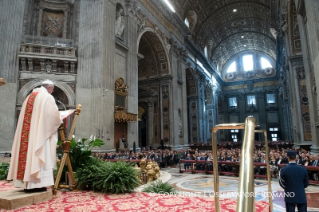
243, 86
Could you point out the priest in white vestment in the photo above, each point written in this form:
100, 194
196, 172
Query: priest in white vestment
34, 146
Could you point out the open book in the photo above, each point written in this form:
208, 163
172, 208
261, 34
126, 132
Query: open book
65, 113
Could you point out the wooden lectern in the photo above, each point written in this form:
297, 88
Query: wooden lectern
66, 158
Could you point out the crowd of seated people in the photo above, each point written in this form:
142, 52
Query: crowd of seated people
166, 158
277, 156
230, 144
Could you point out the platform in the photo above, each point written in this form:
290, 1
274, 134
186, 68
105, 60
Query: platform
17, 198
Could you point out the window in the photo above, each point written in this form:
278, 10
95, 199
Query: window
251, 100
233, 102
234, 131
274, 137
205, 51
265, 63
271, 98
186, 22
248, 63
234, 136
232, 67
273, 129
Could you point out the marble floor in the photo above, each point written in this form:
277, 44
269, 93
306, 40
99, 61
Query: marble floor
203, 185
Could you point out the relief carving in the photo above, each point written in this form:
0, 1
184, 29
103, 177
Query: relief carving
53, 23
120, 87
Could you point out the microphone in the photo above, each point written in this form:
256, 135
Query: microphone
60, 103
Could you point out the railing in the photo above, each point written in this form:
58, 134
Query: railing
235, 166
49, 41
40, 49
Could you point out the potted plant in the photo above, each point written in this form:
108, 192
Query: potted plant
80, 151
4, 169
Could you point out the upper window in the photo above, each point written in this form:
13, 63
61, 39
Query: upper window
186, 22
251, 100
233, 102
271, 98
205, 51
265, 63
273, 129
248, 63
232, 67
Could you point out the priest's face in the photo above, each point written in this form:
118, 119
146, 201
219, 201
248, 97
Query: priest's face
50, 89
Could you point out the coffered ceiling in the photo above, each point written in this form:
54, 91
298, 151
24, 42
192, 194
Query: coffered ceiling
229, 27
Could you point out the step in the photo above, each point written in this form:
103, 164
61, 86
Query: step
17, 198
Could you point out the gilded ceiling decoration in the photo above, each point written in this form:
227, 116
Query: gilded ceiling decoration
229, 27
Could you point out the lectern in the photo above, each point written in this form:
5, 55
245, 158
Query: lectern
66, 148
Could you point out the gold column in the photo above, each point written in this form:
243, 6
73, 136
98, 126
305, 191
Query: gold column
246, 175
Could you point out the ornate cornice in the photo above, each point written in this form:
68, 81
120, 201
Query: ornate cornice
173, 17
132, 8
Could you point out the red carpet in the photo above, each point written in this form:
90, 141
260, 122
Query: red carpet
143, 202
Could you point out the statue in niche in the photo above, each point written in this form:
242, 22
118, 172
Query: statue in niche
48, 66
119, 23
142, 24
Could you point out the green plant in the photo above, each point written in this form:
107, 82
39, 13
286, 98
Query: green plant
160, 188
80, 152
119, 177
4, 169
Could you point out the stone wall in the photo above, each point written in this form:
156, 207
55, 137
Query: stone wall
11, 23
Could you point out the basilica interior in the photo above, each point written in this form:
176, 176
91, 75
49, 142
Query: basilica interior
155, 72
149, 71
166, 71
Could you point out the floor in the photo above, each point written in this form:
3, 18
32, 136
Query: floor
203, 185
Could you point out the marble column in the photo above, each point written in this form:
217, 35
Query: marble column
308, 21
66, 67
11, 27
65, 24
30, 64
39, 25
54, 65
150, 123
95, 71
23, 64
296, 105
130, 36
42, 64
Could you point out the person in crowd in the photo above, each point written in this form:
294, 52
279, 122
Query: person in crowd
187, 165
273, 166
307, 161
210, 165
294, 179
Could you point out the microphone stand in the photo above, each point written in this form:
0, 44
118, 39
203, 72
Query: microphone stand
60, 103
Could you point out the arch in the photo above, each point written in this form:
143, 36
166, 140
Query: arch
164, 45
25, 90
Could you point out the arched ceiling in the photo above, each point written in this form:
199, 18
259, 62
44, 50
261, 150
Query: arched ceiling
228, 33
